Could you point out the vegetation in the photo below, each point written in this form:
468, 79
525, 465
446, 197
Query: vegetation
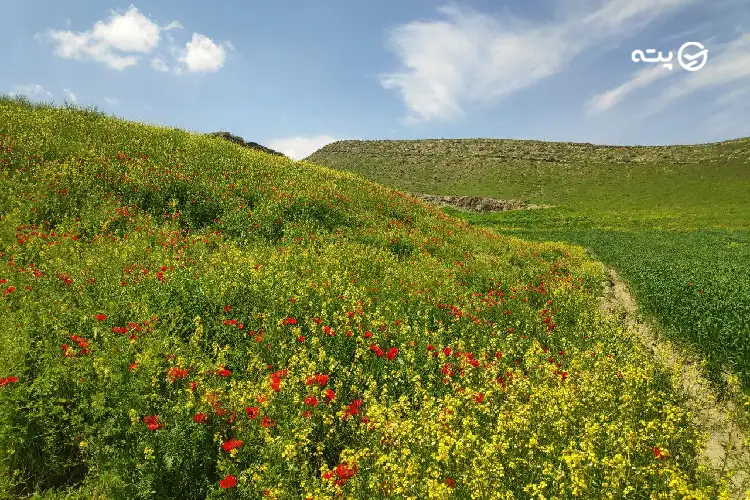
187, 318
674, 220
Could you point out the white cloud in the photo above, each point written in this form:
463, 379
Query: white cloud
70, 96
113, 101
127, 32
473, 58
298, 148
117, 42
730, 64
202, 54
158, 64
31, 91
640, 79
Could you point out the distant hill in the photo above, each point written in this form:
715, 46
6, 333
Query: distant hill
556, 173
242, 142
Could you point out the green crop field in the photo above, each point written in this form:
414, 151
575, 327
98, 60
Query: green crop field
674, 221
183, 317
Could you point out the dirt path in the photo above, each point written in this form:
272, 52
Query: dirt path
725, 450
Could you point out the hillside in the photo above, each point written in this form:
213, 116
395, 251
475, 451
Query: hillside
669, 180
673, 220
187, 318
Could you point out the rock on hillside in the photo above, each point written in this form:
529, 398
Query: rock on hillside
478, 204
242, 142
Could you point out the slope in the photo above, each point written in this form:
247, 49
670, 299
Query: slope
187, 318
673, 220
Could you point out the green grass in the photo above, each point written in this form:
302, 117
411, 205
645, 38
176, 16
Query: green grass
186, 318
661, 216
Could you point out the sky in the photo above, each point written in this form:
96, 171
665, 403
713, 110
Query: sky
295, 75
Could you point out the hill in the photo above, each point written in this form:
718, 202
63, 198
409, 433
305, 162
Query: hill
670, 181
187, 318
673, 220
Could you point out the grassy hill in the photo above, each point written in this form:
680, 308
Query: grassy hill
186, 318
673, 220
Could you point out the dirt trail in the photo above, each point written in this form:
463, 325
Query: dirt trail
725, 449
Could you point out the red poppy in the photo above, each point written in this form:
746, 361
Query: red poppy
658, 453
101, 317
450, 482
392, 352
228, 482
251, 412
152, 422
223, 372
232, 444
301, 338
227, 309
267, 422
330, 395
344, 471
311, 401
377, 350
353, 408
199, 418
479, 398
8, 380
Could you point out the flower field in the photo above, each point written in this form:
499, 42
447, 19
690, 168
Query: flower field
186, 318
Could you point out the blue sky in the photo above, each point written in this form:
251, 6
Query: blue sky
296, 74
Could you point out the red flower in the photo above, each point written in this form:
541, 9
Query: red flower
251, 412
330, 395
479, 398
289, 321
199, 418
447, 351
377, 350
344, 471
223, 372
301, 338
311, 401
232, 444
659, 453
152, 422
228, 482
227, 309
327, 475
368, 334
267, 422
563, 375
101, 317
8, 380
320, 379
353, 408
132, 366
392, 352
450, 482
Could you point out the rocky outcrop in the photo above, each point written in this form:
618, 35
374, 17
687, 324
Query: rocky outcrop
242, 142
478, 204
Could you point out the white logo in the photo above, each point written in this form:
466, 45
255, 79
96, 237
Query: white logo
692, 64
689, 62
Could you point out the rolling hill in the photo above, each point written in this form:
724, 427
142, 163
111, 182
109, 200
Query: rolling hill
187, 318
673, 220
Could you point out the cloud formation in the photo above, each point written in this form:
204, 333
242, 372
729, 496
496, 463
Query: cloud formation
300, 147
31, 91
470, 58
125, 38
203, 55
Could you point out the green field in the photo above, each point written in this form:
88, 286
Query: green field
187, 318
663, 217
